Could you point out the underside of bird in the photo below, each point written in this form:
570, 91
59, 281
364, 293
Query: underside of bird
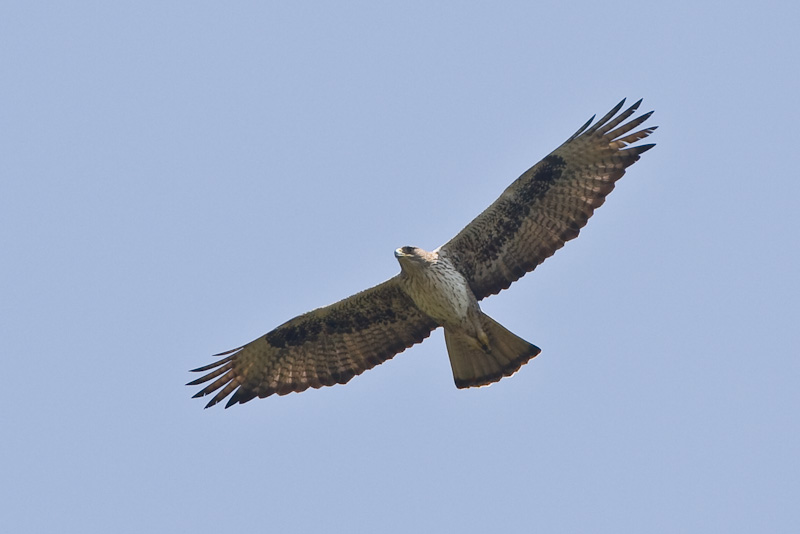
535, 216
479, 363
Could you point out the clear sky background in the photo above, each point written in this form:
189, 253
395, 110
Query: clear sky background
177, 178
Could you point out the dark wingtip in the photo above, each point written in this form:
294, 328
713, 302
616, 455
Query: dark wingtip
237, 349
581, 129
643, 148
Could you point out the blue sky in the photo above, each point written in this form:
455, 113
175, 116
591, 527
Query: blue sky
178, 178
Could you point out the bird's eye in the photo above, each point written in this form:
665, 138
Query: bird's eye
408, 250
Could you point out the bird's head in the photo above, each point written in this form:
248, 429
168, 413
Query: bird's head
413, 256
405, 252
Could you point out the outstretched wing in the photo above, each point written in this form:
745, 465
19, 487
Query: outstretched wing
548, 204
323, 347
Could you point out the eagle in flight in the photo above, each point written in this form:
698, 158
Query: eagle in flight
534, 217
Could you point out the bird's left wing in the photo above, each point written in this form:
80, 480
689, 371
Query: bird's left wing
548, 204
323, 347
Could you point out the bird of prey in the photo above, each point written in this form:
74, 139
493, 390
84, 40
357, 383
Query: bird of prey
534, 217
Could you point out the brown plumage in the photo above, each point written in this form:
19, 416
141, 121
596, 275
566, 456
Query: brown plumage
534, 217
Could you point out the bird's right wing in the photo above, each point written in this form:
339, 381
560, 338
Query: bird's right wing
323, 347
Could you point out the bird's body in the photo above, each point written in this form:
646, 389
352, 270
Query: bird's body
481, 351
435, 286
532, 218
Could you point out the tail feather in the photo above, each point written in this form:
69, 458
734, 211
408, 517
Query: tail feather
475, 366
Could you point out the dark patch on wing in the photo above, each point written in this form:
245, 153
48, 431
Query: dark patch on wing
516, 210
310, 326
294, 334
344, 320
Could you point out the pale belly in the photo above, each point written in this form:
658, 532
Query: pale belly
442, 293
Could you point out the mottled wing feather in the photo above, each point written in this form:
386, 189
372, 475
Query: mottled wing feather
323, 347
548, 204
